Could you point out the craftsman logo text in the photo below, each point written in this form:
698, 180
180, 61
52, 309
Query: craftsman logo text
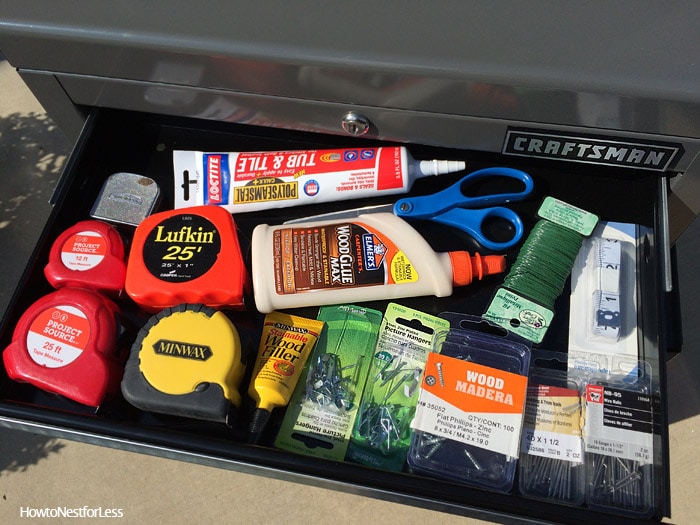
606, 151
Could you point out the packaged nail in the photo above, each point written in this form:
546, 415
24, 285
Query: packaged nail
619, 434
551, 447
470, 408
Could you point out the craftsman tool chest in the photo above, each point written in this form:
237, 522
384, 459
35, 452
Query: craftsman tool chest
599, 106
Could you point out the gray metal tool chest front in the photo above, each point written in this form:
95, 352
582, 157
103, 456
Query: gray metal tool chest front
607, 120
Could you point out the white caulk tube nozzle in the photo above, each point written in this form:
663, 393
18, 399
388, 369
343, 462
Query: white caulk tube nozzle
440, 167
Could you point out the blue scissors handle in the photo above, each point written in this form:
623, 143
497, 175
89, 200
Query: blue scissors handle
454, 207
472, 222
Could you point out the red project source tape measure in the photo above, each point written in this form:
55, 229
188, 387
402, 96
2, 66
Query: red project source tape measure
66, 343
188, 255
88, 255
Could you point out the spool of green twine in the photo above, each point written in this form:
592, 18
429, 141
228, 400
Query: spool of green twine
544, 263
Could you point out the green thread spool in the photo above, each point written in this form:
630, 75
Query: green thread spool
544, 263
525, 302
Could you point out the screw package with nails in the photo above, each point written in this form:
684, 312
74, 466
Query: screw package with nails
470, 409
425, 410
552, 479
619, 442
617, 484
551, 455
456, 460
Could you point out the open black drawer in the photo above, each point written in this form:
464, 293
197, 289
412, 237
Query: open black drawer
119, 141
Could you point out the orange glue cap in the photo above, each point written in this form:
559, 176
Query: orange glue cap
466, 268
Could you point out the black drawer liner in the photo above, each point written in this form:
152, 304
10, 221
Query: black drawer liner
116, 141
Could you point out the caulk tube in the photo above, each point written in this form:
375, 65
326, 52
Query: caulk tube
285, 345
254, 181
377, 256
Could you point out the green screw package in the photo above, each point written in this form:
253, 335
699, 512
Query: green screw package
382, 433
325, 403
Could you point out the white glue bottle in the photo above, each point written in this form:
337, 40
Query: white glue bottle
254, 181
375, 256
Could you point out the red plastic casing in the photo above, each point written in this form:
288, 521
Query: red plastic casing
89, 255
188, 255
66, 343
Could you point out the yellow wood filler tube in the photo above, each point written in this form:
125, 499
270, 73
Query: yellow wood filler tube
285, 344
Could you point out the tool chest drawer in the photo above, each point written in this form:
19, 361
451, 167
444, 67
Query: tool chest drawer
116, 141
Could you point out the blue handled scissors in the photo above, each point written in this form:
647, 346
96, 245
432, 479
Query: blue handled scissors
453, 207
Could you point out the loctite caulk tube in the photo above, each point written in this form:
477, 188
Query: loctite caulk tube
253, 181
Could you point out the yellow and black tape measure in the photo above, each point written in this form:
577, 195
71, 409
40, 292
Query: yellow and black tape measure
186, 361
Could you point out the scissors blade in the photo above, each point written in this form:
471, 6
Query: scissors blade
343, 214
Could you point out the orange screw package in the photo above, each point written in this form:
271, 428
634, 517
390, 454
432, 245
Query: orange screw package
471, 407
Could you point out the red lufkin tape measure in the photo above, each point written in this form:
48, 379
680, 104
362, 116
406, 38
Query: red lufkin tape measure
88, 255
189, 255
66, 343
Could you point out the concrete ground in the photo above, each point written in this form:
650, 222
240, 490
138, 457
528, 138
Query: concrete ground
39, 472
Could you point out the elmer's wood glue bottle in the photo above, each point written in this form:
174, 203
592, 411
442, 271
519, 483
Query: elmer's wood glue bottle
377, 256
